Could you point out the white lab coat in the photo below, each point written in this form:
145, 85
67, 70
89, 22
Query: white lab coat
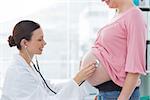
24, 83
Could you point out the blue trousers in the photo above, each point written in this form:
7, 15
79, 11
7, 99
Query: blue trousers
113, 95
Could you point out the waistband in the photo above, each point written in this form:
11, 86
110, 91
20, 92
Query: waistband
109, 86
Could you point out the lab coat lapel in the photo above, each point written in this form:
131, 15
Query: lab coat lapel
31, 70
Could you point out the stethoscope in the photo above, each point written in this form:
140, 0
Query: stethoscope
37, 68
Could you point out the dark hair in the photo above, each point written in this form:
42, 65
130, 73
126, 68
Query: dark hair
22, 30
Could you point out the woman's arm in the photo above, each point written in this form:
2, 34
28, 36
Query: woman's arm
85, 73
129, 86
78, 78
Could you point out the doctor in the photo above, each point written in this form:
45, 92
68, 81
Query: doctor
23, 79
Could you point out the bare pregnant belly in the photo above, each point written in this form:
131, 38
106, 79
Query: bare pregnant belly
100, 75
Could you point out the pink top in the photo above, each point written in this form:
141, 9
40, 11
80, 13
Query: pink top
121, 45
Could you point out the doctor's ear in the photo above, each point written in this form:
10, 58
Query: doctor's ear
23, 43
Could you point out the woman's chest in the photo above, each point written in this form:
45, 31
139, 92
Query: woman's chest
112, 32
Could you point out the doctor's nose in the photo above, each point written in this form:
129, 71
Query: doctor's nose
44, 43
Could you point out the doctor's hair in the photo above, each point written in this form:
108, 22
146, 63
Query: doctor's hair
22, 30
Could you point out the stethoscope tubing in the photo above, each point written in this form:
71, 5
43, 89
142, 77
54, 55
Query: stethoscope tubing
38, 70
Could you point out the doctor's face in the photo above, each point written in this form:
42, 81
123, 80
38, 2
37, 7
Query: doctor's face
37, 42
112, 3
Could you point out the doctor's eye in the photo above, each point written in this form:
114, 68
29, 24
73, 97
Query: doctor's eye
40, 39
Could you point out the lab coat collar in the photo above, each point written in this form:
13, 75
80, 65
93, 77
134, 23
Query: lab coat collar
21, 61
31, 70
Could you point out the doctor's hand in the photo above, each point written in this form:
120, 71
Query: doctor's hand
85, 73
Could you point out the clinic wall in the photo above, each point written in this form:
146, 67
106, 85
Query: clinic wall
145, 85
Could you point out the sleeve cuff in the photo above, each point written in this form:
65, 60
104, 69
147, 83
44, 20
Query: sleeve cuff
75, 82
